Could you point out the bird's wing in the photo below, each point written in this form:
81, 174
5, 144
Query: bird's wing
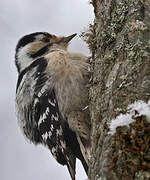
42, 113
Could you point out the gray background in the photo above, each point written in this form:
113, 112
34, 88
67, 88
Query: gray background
20, 160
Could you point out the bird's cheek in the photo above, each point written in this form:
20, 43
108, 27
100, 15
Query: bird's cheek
35, 46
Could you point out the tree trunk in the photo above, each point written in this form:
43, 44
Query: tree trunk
119, 41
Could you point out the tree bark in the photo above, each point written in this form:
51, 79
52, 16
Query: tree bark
119, 41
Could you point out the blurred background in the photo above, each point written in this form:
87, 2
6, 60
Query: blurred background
20, 160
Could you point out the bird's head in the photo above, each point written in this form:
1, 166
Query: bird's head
35, 45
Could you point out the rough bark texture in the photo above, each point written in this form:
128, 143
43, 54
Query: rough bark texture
120, 44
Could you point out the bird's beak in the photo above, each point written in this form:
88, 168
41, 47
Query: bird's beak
68, 38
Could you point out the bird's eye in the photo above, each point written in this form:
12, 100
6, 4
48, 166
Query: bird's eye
45, 40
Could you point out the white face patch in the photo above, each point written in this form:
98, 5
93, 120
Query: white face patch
22, 57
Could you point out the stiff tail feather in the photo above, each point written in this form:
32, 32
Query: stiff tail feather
71, 164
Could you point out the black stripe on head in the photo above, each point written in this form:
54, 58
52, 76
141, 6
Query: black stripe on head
29, 38
42, 51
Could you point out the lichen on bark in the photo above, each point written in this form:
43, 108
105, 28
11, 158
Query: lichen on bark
119, 40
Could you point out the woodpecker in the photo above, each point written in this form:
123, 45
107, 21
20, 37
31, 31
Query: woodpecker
52, 97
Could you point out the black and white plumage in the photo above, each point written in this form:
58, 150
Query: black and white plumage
50, 88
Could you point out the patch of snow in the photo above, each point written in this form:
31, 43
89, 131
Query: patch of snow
136, 109
141, 107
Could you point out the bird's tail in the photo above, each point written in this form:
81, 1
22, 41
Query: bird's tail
71, 165
85, 166
84, 158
